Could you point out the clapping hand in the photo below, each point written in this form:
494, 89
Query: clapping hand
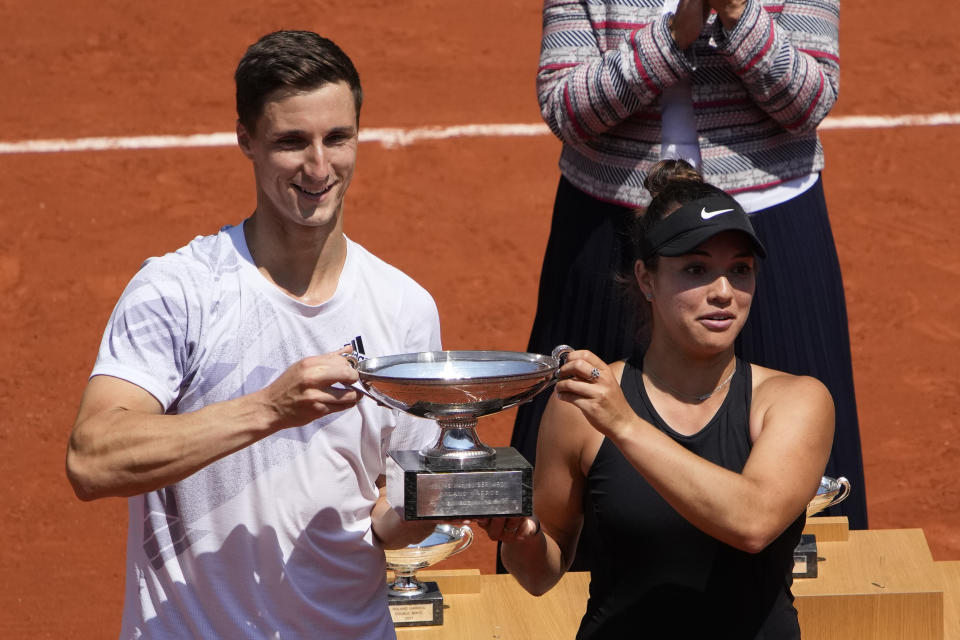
688, 21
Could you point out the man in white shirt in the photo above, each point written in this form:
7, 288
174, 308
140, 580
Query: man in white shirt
220, 402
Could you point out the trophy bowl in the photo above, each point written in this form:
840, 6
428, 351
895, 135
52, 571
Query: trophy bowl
831, 491
445, 540
457, 387
456, 384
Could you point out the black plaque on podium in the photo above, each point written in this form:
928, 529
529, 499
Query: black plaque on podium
805, 557
420, 610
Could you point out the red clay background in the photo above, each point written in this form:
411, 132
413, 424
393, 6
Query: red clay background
471, 216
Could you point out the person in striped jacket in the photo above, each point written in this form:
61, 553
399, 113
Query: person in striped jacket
736, 88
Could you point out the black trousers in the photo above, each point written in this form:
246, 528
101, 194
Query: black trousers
797, 324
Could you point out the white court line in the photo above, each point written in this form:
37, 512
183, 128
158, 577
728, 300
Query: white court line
887, 122
395, 137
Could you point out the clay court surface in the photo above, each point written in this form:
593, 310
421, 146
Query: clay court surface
468, 217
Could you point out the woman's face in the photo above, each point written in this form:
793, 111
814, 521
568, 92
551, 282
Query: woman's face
701, 300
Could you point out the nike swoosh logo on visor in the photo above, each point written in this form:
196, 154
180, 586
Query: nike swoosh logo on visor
706, 215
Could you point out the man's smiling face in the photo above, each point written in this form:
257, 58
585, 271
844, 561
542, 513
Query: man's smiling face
304, 151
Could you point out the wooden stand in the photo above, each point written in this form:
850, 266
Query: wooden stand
882, 585
875, 584
950, 579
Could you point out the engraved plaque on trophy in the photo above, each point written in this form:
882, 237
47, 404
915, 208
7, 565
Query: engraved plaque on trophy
414, 603
459, 476
831, 492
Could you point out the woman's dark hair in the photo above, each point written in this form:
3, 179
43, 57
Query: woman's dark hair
295, 60
672, 184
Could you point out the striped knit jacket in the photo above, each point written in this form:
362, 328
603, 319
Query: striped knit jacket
759, 91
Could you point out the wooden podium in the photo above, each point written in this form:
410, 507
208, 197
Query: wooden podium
875, 584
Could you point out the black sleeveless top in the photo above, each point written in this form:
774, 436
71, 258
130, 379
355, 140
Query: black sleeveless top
654, 575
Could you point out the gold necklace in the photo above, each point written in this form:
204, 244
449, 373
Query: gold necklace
692, 396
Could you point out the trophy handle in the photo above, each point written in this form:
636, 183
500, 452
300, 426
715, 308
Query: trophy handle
354, 360
844, 491
561, 352
465, 541
357, 355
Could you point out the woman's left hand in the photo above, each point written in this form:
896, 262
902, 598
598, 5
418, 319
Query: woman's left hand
508, 529
590, 385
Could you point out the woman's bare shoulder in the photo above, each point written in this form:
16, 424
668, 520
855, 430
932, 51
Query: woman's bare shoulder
772, 387
617, 368
775, 381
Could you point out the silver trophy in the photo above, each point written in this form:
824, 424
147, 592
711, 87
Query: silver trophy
412, 602
458, 476
830, 492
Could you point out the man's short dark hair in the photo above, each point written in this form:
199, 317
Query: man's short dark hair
295, 60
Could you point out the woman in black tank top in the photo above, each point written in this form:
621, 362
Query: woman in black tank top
690, 468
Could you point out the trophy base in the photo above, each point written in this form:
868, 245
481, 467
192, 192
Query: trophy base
422, 610
805, 557
427, 489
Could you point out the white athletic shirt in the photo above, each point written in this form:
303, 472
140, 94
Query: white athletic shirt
275, 540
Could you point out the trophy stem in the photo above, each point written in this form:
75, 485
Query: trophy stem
458, 442
406, 585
